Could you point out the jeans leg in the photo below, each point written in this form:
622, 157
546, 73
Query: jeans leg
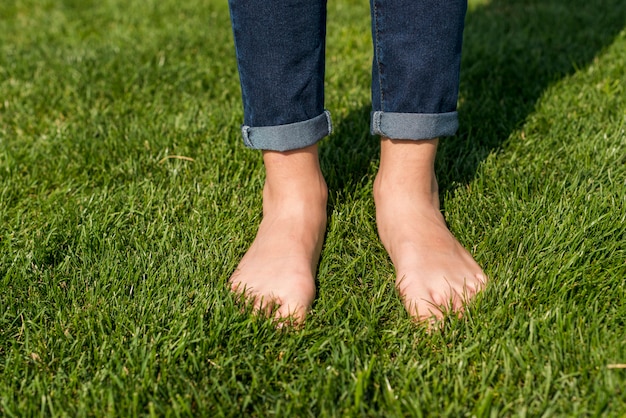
415, 71
280, 46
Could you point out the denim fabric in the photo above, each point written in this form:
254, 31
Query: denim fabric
280, 46
288, 137
415, 126
415, 70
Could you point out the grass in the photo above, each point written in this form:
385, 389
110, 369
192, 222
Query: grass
127, 198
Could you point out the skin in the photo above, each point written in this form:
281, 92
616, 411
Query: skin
434, 273
277, 274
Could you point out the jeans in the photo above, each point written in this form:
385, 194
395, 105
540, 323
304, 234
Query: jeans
280, 46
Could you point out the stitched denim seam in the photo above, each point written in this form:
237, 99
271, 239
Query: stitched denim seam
245, 132
377, 46
329, 121
376, 123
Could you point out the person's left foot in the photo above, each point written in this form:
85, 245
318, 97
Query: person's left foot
434, 272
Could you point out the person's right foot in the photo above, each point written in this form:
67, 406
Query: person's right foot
277, 273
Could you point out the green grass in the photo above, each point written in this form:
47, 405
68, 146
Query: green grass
114, 251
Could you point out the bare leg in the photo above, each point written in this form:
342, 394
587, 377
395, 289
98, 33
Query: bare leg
278, 271
434, 273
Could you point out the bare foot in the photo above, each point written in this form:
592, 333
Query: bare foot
434, 273
277, 274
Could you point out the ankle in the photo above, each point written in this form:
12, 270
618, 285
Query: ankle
407, 173
295, 200
294, 181
408, 155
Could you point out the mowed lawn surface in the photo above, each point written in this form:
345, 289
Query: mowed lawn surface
127, 199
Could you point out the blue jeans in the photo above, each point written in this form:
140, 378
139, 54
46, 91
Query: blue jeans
280, 46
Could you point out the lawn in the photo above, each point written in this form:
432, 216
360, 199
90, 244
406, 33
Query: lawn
127, 198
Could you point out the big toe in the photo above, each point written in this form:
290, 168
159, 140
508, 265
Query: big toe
291, 313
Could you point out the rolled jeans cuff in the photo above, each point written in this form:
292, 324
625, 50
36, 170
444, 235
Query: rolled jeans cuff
414, 125
288, 137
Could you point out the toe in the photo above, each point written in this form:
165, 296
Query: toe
424, 310
290, 314
264, 305
482, 280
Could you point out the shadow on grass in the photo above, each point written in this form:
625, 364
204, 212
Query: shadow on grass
513, 50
